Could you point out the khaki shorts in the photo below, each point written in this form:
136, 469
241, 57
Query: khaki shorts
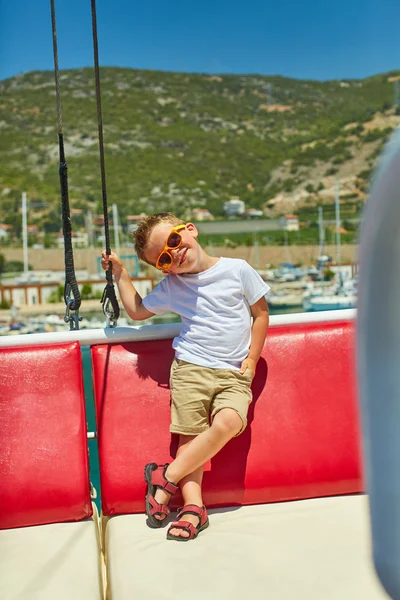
199, 393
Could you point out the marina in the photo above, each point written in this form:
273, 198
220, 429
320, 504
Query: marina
40, 317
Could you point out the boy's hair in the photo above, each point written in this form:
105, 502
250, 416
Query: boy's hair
146, 226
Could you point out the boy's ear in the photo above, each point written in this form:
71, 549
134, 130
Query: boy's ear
191, 227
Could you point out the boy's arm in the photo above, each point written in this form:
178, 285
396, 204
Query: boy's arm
260, 315
130, 298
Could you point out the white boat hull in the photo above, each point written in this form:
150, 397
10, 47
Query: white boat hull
330, 303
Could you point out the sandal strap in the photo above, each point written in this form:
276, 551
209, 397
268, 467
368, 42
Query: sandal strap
158, 478
186, 526
170, 487
191, 509
157, 508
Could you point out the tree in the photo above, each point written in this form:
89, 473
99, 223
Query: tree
48, 240
349, 226
328, 274
2, 264
87, 291
57, 295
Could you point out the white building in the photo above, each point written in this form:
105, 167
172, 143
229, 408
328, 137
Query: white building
290, 222
254, 212
79, 239
132, 222
234, 207
202, 214
5, 231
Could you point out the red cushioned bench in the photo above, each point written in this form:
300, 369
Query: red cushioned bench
301, 444
49, 544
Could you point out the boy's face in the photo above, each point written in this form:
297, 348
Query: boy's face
184, 258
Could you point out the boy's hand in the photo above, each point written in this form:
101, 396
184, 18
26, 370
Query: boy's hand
117, 264
248, 363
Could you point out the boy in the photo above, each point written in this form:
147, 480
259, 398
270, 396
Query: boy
224, 315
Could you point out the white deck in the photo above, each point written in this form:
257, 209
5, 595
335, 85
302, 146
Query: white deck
312, 550
61, 561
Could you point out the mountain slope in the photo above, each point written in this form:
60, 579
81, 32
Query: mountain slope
176, 141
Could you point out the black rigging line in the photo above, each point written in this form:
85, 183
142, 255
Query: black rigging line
108, 300
70, 287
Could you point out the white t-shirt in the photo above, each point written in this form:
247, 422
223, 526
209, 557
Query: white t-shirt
214, 306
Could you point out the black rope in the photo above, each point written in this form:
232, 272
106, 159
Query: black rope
109, 299
70, 287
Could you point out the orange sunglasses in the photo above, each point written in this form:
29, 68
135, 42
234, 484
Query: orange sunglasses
174, 240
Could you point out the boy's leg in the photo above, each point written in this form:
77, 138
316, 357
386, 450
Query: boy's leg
229, 408
226, 424
195, 451
190, 486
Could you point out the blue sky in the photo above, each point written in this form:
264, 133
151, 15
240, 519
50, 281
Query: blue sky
313, 39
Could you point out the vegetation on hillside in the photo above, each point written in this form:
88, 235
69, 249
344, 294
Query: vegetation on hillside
177, 141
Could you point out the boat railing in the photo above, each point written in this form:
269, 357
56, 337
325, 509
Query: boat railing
89, 337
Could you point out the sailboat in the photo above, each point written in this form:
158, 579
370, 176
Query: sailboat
340, 295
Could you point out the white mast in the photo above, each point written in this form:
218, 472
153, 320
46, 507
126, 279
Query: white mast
116, 227
24, 233
337, 212
321, 231
256, 252
288, 257
89, 227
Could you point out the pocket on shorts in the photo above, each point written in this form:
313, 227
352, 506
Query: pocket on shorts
248, 374
171, 373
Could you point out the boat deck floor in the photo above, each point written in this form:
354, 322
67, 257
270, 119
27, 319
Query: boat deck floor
309, 549
313, 549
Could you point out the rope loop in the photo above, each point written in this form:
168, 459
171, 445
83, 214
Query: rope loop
109, 300
71, 308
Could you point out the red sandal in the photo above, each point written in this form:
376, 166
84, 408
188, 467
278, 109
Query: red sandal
154, 476
193, 530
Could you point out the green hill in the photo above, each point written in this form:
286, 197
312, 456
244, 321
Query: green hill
178, 141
